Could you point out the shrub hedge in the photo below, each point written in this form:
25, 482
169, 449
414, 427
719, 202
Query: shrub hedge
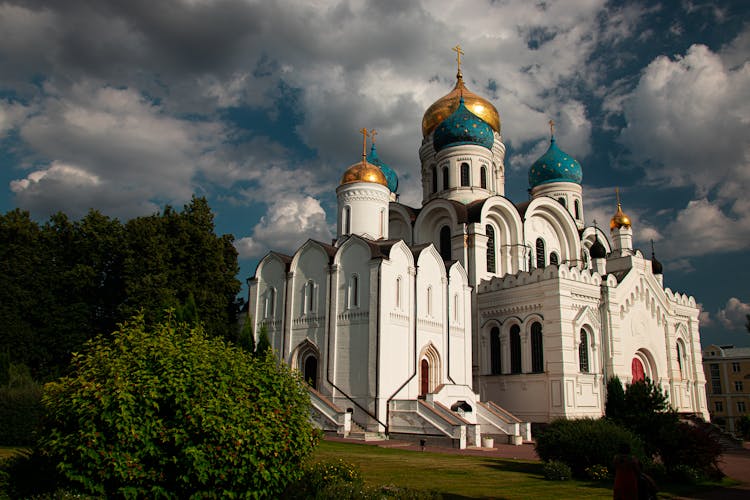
583, 443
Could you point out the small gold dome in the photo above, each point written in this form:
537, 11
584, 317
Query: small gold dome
363, 171
446, 105
619, 220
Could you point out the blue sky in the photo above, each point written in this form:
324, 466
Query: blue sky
127, 106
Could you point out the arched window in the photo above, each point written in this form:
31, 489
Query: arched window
465, 174
382, 221
490, 248
456, 309
554, 259
429, 301
495, 351
270, 302
537, 349
531, 259
398, 292
561, 200
583, 352
445, 243
445, 178
310, 371
354, 291
309, 296
577, 208
680, 354
433, 173
515, 349
347, 220
540, 253
483, 177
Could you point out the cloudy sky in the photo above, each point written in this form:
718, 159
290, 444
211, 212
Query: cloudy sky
128, 106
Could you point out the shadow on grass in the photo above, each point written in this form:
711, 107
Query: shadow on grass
534, 469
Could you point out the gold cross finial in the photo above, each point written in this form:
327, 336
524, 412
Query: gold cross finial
373, 133
617, 194
552, 128
363, 131
459, 53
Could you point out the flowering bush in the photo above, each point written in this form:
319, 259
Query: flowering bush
597, 472
555, 470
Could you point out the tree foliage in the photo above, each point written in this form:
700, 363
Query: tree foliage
169, 411
615, 405
65, 281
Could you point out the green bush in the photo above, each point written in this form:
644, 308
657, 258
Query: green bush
329, 479
584, 442
556, 470
170, 412
20, 407
691, 446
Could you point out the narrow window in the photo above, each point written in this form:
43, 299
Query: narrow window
583, 352
577, 208
741, 407
483, 177
354, 299
679, 356
515, 349
537, 349
398, 292
271, 302
738, 386
310, 296
490, 248
540, 253
719, 406
495, 351
445, 177
382, 221
735, 367
433, 172
456, 318
531, 259
347, 220
445, 243
429, 301
464, 174
554, 259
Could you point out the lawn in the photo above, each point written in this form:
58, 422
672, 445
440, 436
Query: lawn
458, 476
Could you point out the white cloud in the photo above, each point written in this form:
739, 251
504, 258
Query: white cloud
287, 224
11, 115
733, 316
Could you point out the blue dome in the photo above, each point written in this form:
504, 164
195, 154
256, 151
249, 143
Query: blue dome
462, 127
388, 172
555, 166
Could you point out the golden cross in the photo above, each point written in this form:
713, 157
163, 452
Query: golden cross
552, 127
363, 131
459, 53
617, 193
373, 133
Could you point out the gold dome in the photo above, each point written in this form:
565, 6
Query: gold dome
619, 220
364, 171
446, 105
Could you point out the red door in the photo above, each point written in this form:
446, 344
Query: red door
424, 378
636, 369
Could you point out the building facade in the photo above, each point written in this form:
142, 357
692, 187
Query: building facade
727, 371
472, 301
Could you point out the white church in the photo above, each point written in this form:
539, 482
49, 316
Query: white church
472, 315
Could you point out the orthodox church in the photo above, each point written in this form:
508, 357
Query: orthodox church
472, 315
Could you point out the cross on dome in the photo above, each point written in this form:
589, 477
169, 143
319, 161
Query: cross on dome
459, 53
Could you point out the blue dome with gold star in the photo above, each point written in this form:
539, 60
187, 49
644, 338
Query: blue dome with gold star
555, 166
388, 172
462, 127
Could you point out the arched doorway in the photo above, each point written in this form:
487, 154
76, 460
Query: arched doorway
310, 370
424, 378
637, 371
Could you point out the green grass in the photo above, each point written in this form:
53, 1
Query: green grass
458, 476
466, 476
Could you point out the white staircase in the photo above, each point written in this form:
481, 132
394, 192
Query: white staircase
495, 420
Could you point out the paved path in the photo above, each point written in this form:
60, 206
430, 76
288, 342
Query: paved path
735, 463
